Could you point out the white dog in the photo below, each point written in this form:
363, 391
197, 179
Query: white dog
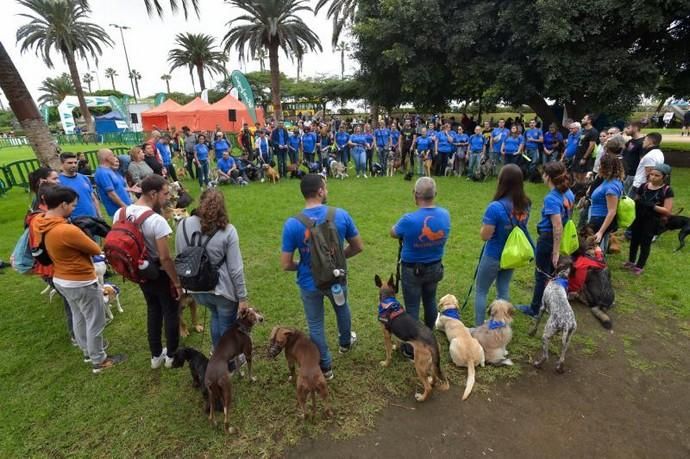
111, 292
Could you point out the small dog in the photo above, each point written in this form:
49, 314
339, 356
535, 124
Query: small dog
495, 334
427, 165
235, 341
111, 294
271, 173
187, 302
449, 167
300, 350
465, 351
197, 367
181, 172
338, 169
394, 320
561, 315
178, 215
390, 165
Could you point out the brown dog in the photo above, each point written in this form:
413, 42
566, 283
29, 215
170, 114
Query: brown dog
427, 165
271, 173
394, 320
495, 334
235, 341
300, 350
186, 301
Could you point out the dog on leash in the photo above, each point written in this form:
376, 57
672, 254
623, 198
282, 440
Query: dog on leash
234, 342
449, 167
427, 165
495, 334
338, 169
187, 302
394, 320
111, 295
301, 351
465, 351
271, 173
197, 367
561, 315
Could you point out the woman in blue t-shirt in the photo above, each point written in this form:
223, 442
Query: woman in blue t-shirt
557, 210
602, 211
358, 147
201, 160
220, 145
510, 207
512, 146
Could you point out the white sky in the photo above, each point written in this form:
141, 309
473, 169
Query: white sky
148, 42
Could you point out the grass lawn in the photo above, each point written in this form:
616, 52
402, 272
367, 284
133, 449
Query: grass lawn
53, 406
9, 154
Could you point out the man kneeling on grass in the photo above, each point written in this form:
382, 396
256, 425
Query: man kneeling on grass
74, 276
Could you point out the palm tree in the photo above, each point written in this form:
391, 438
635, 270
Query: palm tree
111, 73
342, 47
271, 25
198, 51
55, 89
174, 7
88, 79
60, 25
166, 77
261, 57
135, 76
341, 12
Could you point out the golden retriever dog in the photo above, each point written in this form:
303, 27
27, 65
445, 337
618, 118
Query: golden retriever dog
495, 334
465, 351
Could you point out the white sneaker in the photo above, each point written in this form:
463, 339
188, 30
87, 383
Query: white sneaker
169, 361
365, 176
156, 362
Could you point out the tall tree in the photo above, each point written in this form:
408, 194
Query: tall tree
55, 89
88, 79
271, 25
261, 56
197, 51
111, 73
341, 12
342, 48
166, 77
135, 76
62, 26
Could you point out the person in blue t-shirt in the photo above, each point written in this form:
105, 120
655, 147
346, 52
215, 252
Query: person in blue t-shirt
509, 208
87, 204
461, 142
201, 160
369, 149
477, 142
309, 140
294, 145
395, 140
444, 149
341, 142
220, 145
571, 143
602, 211
359, 145
553, 144
111, 185
226, 166
533, 139
296, 237
498, 136
511, 150
557, 211
163, 147
424, 234
425, 146
383, 142
279, 142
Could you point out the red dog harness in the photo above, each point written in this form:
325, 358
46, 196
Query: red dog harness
389, 309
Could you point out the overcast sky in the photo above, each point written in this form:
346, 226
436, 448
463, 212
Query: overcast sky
148, 42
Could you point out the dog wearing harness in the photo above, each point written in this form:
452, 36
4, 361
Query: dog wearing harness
395, 321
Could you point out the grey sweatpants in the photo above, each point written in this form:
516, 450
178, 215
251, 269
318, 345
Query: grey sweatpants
88, 318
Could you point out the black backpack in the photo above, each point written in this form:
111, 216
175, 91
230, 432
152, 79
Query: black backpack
326, 250
193, 265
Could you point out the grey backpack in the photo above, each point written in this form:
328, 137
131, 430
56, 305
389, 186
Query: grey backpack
326, 250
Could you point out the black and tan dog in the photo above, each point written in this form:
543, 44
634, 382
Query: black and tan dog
197, 367
235, 341
677, 222
394, 320
301, 351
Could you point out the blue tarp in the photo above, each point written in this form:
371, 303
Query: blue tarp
107, 123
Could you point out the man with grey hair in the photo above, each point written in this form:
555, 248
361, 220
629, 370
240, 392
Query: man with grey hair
111, 186
423, 235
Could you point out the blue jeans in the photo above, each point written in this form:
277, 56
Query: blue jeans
309, 156
475, 158
314, 310
421, 289
496, 157
542, 259
534, 158
203, 172
281, 154
341, 156
383, 155
489, 271
360, 157
223, 313
294, 155
547, 158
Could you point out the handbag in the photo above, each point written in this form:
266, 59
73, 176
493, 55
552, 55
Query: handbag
518, 251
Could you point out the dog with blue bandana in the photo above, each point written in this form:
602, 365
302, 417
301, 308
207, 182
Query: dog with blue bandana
495, 334
465, 351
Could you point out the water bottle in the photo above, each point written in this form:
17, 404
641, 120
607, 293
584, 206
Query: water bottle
338, 294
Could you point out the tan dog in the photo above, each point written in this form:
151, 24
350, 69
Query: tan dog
427, 165
465, 351
495, 334
271, 173
111, 296
181, 172
300, 350
186, 301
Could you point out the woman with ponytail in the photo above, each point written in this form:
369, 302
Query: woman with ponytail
556, 212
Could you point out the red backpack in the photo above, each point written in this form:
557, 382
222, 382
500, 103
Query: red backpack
125, 249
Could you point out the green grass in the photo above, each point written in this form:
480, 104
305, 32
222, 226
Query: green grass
53, 406
9, 154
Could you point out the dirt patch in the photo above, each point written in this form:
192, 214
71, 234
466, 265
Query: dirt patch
628, 398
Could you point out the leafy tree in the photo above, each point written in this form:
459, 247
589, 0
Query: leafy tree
55, 89
111, 73
111, 92
197, 51
175, 5
88, 79
166, 77
271, 25
180, 97
62, 26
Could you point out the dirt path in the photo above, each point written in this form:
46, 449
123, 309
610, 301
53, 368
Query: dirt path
630, 399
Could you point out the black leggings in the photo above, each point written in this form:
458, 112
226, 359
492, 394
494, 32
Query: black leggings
640, 239
161, 307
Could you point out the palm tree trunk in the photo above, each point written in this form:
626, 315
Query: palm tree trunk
191, 75
167, 85
275, 80
88, 83
24, 108
112, 81
83, 108
342, 64
200, 74
136, 85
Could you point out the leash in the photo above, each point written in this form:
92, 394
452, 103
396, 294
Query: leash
474, 278
548, 276
397, 265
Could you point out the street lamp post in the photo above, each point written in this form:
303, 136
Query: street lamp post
129, 70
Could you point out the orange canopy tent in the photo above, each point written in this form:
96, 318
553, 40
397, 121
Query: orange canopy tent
187, 115
157, 117
218, 114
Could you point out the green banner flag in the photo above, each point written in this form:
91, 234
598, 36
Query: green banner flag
159, 99
240, 82
117, 106
44, 112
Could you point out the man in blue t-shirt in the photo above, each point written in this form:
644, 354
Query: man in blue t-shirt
533, 138
110, 185
163, 147
571, 143
296, 237
87, 204
226, 165
309, 139
424, 234
341, 142
383, 142
498, 136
